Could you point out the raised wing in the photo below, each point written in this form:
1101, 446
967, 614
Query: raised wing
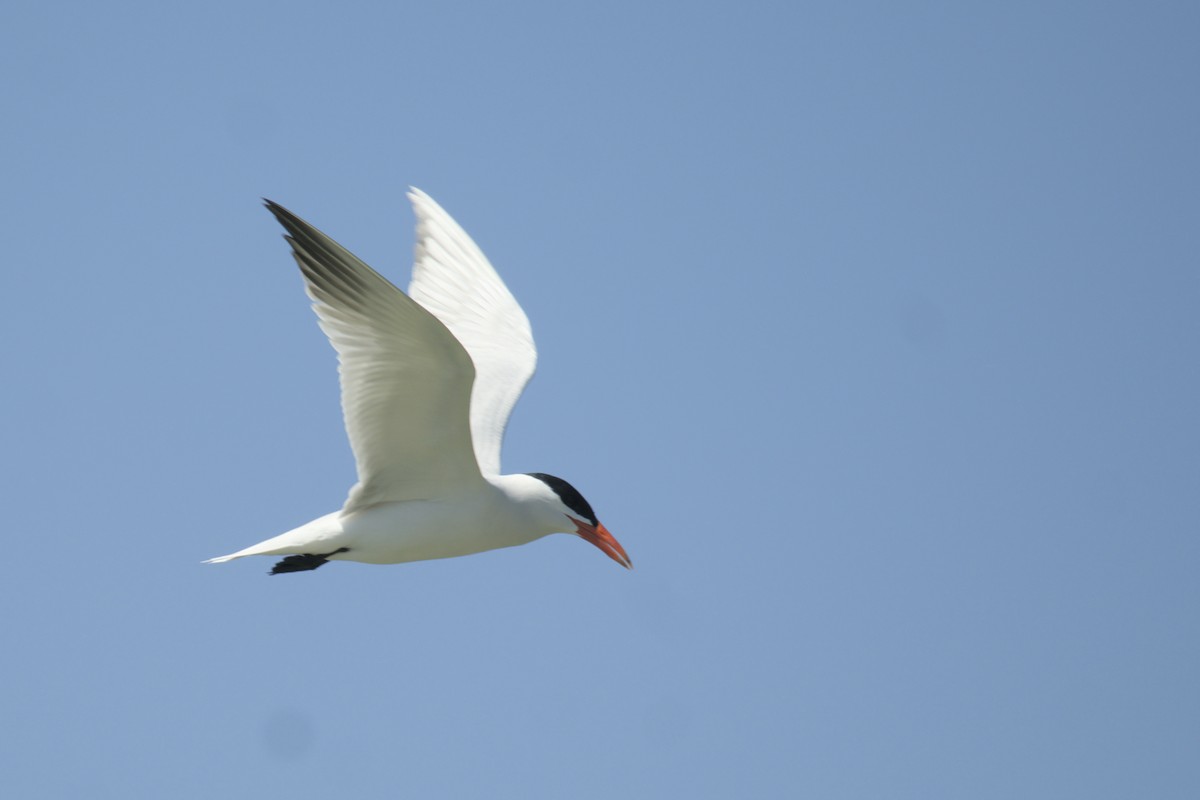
406, 381
453, 279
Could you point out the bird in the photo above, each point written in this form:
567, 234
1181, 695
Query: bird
428, 381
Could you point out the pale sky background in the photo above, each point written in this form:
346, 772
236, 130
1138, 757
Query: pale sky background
870, 329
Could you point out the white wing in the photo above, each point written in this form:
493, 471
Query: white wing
453, 279
406, 381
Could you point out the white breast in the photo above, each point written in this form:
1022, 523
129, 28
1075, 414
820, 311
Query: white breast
418, 530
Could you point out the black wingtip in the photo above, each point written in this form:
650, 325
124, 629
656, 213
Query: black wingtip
294, 225
281, 213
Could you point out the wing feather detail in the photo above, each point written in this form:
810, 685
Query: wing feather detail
454, 280
406, 381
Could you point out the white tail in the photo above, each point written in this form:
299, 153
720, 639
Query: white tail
295, 541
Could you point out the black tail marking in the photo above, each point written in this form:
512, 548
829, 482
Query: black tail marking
304, 562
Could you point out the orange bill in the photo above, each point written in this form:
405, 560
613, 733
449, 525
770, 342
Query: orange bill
599, 536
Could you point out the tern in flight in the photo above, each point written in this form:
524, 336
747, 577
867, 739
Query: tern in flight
429, 379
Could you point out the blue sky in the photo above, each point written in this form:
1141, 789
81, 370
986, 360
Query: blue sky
870, 330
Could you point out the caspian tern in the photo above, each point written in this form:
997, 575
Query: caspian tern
428, 381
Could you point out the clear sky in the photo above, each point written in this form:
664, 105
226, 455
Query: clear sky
870, 329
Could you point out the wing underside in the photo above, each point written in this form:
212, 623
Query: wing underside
454, 280
406, 380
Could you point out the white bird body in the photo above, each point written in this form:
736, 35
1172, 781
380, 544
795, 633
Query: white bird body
502, 512
428, 382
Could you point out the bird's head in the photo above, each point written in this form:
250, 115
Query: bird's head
578, 515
